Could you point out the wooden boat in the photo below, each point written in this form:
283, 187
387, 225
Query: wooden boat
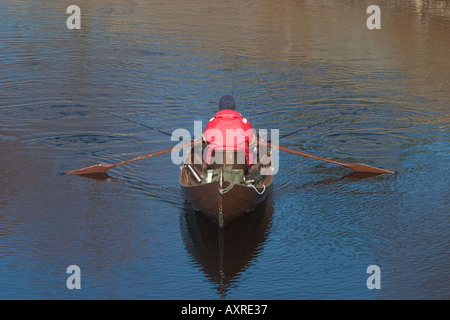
223, 201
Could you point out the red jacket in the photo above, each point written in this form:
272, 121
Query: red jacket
228, 130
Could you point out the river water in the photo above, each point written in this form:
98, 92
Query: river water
74, 98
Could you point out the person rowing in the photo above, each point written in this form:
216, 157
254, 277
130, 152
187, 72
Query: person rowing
239, 136
228, 130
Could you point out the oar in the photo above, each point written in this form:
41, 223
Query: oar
103, 167
356, 167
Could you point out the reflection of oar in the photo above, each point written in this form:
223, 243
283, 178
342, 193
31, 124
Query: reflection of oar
356, 167
103, 167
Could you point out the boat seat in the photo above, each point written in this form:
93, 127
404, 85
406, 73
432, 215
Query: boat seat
234, 159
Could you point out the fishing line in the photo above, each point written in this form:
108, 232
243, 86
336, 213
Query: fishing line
141, 124
316, 124
281, 137
311, 126
233, 81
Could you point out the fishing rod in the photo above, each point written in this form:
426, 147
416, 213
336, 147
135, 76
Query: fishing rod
311, 126
171, 135
102, 168
316, 124
138, 123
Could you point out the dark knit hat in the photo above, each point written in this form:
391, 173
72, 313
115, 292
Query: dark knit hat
227, 102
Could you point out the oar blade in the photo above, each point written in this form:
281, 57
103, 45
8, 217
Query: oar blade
363, 168
98, 168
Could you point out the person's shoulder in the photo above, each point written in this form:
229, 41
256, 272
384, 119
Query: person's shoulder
227, 112
246, 124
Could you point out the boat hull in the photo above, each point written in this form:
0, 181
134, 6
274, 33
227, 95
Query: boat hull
223, 203
219, 199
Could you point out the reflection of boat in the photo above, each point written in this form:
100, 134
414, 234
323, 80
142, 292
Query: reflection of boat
223, 200
225, 253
